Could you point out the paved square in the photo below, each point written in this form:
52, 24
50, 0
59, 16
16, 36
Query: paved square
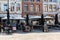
32, 36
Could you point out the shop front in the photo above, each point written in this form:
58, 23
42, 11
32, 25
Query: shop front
14, 21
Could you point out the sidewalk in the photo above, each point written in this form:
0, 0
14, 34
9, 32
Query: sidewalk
32, 36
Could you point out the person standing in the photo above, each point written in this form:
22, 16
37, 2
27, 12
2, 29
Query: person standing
46, 26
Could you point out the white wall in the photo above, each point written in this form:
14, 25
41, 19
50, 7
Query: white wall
48, 4
3, 12
17, 1
6, 2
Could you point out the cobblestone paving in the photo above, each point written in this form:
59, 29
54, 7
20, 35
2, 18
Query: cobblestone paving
31, 36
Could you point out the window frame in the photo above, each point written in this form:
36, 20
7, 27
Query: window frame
26, 6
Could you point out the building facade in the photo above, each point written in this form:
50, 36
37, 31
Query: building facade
15, 7
31, 7
15, 10
50, 7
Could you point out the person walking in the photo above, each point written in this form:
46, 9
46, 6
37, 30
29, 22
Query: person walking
2, 28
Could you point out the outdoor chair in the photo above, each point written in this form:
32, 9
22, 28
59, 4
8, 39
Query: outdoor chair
27, 29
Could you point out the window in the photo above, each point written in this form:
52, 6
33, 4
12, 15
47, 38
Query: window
31, 0
50, 8
50, 0
54, 8
12, 7
59, 9
18, 0
17, 7
37, 7
12, 0
54, 0
26, 7
45, 8
59, 2
37, 0
25, 0
0, 6
5, 7
45, 0
32, 7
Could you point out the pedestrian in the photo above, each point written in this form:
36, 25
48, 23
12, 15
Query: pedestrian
22, 26
2, 28
10, 28
46, 26
18, 26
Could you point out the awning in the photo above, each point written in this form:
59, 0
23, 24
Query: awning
14, 17
34, 17
47, 17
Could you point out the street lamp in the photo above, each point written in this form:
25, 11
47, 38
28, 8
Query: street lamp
8, 20
27, 19
56, 17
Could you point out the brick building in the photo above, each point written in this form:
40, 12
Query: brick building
31, 7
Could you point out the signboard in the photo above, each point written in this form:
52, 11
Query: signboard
14, 28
